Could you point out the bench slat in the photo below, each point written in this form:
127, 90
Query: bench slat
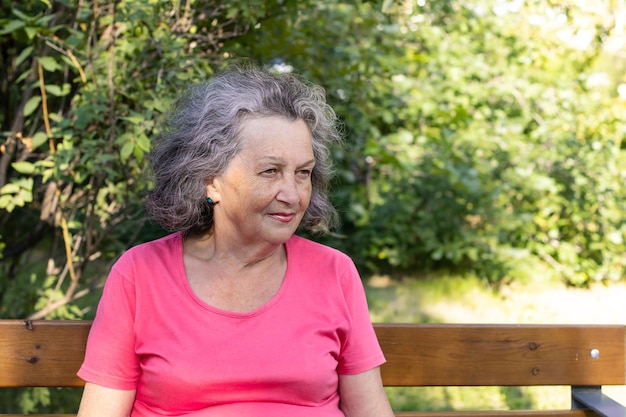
42, 353
473, 355
504, 355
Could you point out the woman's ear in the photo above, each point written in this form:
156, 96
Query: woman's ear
212, 190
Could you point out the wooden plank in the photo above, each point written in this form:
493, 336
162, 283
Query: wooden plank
42, 353
506, 355
50, 352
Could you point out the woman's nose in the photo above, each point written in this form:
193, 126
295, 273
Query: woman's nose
289, 191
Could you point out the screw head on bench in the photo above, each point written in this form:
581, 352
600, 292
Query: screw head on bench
595, 353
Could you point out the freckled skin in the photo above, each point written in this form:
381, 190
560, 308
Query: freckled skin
266, 188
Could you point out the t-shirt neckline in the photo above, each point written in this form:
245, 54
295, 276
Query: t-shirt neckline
182, 277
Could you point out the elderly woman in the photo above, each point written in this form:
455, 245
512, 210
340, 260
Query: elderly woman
233, 314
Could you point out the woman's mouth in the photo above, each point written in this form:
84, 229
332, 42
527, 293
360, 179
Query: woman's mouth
283, 217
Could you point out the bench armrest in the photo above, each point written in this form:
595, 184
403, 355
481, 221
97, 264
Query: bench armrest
592, 398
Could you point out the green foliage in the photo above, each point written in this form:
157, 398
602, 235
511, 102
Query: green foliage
33, 400
83, 87
467, 398
478, 133
475, 135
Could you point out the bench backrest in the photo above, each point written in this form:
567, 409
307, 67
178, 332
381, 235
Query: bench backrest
48, 354
503, 355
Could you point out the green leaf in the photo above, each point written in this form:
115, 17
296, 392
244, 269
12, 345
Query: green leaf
9, 188
143, 142
31, 105
138, 153
25, 195
136, 119
39, 139
127, 149
12, 26
159, 105
24, 75
49, 63
43, 20
6, 202
31, 32
23, 167
23, 55
55, 90
21, 15
123, 138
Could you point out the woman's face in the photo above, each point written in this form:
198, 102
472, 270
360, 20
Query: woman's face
266, 188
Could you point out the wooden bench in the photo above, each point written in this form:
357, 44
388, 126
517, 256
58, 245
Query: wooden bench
48, 354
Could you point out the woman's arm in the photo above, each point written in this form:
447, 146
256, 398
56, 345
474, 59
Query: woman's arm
363, 395
105, 402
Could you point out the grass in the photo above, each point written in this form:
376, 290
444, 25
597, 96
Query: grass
461, 299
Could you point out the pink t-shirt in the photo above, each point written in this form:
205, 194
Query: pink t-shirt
184, 357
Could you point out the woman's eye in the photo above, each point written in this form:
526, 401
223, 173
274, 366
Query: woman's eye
270, 171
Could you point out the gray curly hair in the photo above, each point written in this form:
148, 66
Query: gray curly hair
202, 135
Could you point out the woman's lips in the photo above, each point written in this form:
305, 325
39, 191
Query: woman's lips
283, 217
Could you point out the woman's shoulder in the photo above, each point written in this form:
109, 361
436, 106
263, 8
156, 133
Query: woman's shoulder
303, 247
161, 249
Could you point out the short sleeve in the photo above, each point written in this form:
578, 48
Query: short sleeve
110, 358
361, 350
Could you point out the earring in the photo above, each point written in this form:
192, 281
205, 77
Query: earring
209, 200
